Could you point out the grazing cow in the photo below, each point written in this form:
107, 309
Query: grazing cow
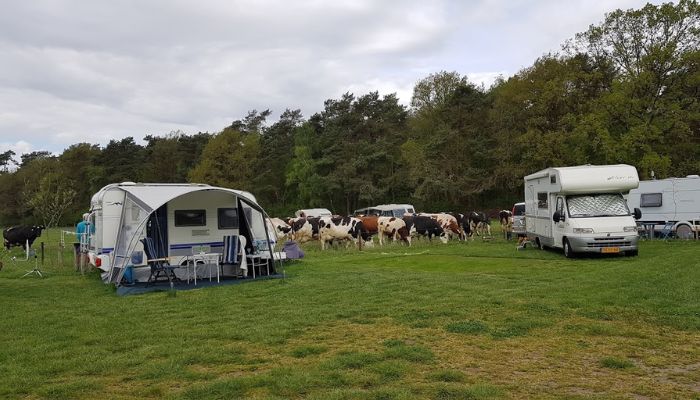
506, 218
369, 227
394, 228
447, 222
304, 229
425, 226
479, 223
19, 235
340, 228
280, 228
463, 223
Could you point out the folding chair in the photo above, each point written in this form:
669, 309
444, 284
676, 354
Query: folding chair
234, 253
667, 230
158, 265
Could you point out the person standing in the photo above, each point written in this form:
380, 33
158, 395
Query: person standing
80, 247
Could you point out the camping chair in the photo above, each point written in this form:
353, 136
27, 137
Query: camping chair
667, 230
158, 265
234, 254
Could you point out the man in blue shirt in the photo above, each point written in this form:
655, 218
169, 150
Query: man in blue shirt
81, 230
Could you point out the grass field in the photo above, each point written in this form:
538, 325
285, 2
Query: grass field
458, 321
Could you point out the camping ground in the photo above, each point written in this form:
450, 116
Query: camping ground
458, 321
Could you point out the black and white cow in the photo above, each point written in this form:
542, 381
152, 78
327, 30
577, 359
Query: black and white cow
425, 226
19, 235
463, 222
304, 229
348, 229
280, 228
479, 223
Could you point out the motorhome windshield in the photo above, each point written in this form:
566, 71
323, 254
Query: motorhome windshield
597, 205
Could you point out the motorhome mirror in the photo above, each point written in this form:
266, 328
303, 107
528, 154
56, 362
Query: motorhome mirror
637, 213
556, 217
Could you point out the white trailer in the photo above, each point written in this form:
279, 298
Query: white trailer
180, 218
581, 209
672, 204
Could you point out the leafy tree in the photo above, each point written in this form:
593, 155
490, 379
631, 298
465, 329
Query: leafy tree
122, 161
6, 160
34, 155
228, 160
277, 149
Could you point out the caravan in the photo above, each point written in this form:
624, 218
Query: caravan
179, 219
672, 204
582, 209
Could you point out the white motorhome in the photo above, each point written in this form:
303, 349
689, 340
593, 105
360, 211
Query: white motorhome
178, 218
313, 212
672, 203
387, 210
582, 209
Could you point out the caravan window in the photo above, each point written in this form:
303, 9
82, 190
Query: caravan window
650, 200
542, 200
190, 218
228, 218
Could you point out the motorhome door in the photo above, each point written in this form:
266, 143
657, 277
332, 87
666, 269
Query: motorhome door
558, 228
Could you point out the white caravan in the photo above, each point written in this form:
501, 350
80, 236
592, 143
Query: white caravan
178, 217
582, 209
672, 203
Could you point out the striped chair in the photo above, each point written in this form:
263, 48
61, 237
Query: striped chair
234, 253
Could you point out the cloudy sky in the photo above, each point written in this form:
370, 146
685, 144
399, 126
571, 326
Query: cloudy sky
91, 71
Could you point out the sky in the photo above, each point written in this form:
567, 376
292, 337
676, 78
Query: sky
76, 71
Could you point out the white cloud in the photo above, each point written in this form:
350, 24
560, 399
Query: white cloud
76, 71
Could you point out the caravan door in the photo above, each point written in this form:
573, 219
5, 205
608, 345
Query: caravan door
558, 228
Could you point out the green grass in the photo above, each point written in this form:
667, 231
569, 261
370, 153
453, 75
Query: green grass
470, 321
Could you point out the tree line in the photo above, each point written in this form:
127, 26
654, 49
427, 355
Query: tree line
624, 91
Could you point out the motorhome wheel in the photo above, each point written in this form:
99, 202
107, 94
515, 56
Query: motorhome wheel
684, 232
567, 249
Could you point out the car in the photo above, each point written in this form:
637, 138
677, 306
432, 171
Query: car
519, 218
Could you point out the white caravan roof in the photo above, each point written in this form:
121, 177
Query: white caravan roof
590, 178
155, 195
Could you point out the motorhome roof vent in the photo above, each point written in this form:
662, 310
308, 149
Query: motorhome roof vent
693, 176
128, 183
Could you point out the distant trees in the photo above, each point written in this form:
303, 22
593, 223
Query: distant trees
626, 90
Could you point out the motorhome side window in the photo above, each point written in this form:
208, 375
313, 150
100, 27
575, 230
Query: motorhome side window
190, 218
552, 179
228, 218
650, 200
542, 200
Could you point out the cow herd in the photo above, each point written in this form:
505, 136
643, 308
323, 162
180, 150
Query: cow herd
360, 230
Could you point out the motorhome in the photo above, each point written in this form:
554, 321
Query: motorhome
581, 209
179, 218
313, 212
387, 210
671, 205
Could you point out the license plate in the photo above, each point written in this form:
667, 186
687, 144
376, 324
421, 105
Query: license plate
610, 250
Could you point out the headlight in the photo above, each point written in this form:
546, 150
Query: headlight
583, 230
631, 228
